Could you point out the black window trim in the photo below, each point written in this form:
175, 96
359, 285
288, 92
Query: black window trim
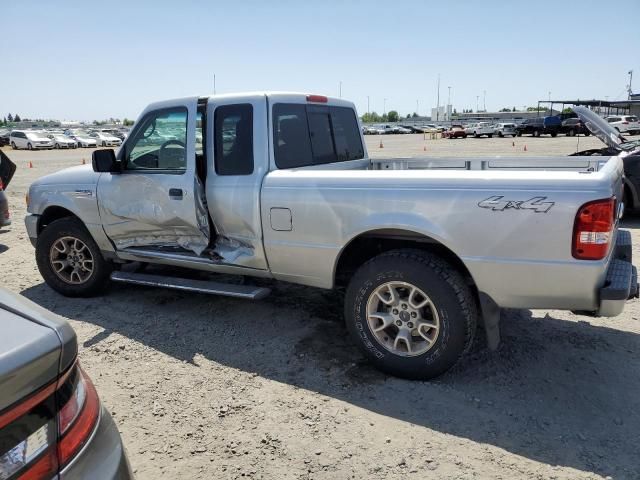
124, 158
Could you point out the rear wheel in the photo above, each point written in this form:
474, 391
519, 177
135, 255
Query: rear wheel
69, 259
13, 145
411, 313
490, 135
57, 145
554, 134
519, 134
536, 133
500, 134
29, 146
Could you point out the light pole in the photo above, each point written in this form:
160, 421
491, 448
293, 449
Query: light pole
484, 100
340, 89
384, 106
477, 102
418, 107
438, 103
368, 111
630, 79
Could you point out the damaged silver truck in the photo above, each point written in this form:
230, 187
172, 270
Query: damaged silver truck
280, 186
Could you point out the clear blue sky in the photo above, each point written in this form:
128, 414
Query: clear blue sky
89, 60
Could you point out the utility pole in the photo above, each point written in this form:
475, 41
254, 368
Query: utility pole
214, 83
368, 111
484, 100
630, 79
477, 103
418, 107
449, 109
340, 89
438, 103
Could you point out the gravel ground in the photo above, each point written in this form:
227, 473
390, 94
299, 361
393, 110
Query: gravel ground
207, 387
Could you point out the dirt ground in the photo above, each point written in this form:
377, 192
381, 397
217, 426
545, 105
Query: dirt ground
213, 387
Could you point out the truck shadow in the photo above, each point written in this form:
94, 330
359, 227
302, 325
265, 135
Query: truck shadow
558, 392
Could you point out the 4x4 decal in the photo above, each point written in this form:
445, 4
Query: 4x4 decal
498, 204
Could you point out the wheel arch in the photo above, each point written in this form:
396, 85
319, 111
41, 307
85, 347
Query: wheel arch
367, 245
53, 213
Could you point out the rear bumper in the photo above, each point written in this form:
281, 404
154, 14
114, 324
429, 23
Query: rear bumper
621, 283
103, 457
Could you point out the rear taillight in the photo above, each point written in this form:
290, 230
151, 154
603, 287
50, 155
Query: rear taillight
77, 418
42, 433
593, 230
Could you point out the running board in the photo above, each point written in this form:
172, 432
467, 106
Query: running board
201, 286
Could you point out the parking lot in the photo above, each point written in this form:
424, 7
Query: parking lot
214, 387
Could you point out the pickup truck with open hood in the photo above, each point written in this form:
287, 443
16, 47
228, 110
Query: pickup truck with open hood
280, 186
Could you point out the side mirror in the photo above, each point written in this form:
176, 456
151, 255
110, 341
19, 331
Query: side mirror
105, 161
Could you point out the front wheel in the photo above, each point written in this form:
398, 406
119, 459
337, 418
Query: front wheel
411, 313
29, 146
13, 145
70, 261
490, 135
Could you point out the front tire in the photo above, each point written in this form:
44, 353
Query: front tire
70, 261
29, 146
13, 145
411, 313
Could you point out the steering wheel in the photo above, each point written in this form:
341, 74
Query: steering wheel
171, 142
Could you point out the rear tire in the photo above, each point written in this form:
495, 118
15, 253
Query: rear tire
13, 145
47, 255
29, 146
490, 135
445, 327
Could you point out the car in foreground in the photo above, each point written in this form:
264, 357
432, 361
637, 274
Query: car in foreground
424, 248
7, 169
30, 140
574, 126
455, 131
82, 139
480, 129
625, 123
504, 129
539, 126
62, 141
105, 140
52, 424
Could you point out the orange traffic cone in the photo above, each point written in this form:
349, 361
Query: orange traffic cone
30, 164
381, 145
525, 148
513, 144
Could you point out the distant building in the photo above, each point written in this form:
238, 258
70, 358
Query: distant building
441, 114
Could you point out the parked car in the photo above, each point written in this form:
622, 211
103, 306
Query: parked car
574, 126
479, 129
7, 169
105, 140
625, 123
30, 140
372, 130
455, 131
615, 144
4, 137
504, 129
52, 424
416, 279
62, 141
395, 129
539, 126
82, 139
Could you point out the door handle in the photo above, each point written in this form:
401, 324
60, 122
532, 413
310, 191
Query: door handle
175, 193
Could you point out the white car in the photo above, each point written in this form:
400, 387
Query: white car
625, 123
62, 141
504, 129
479, 129
105, 140
82, 139
29, 140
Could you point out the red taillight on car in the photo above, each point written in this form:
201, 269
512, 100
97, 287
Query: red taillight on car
47, 429
317, 98
593, 230
77, 419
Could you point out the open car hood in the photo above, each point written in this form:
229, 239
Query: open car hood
599, 127
7, 169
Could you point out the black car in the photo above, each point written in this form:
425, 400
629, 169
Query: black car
7, 169
539, 126
574, 126
4, 137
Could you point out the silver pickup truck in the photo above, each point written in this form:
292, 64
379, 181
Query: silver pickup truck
280, 186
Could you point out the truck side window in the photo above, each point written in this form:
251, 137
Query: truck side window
291, 136
233, 139
159, 142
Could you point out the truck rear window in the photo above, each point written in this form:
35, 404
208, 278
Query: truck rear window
306, 135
